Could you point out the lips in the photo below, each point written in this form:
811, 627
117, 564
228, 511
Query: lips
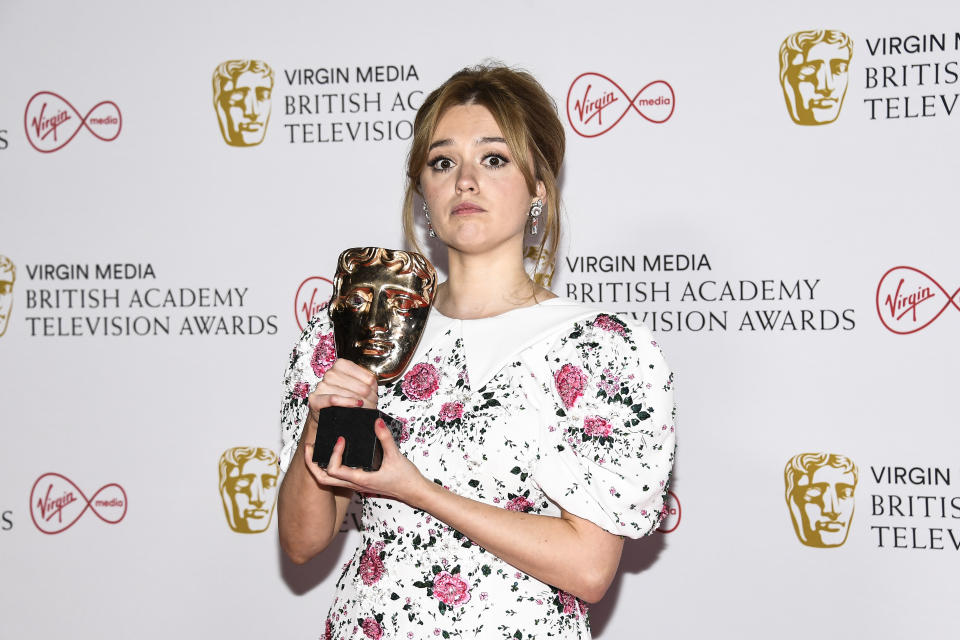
466, 207
376, 347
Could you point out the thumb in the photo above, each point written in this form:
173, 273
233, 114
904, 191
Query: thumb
384, 435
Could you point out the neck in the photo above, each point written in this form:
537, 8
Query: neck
482, 286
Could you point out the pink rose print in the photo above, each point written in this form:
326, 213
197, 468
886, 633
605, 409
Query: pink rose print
570, 381
404, 434
301, 390
450, 589
328, 631
609, 324
371, 566
571, 605
519, 504
596, 426
372, 629
451, 411
324, 354
421, 381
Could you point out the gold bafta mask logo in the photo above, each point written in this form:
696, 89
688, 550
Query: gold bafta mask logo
241, 97
538, 257
820, 489
8, 275
248, 487
813, 73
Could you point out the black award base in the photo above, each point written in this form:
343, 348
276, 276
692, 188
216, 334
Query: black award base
362, 450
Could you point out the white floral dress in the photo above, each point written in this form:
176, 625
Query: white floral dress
543, 407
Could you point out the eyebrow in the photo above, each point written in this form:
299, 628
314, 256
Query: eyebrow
484, 140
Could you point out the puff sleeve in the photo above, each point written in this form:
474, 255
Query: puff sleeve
606, 452
313, 354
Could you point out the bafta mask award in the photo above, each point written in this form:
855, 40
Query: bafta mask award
381, 300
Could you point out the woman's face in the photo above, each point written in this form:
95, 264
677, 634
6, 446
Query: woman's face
476, 193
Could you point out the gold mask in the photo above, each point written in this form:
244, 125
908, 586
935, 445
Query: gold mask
819, 492
381, 300
8, 275
248, 487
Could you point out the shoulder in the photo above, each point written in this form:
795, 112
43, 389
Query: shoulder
569, 324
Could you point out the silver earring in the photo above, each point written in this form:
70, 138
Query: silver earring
535, 210
426, 214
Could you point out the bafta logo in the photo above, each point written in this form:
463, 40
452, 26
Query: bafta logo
8, 275
820, 489
248, 487
813, 74
241, 97
538, 257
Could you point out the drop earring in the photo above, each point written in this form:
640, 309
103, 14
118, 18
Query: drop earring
535, 210
426, 214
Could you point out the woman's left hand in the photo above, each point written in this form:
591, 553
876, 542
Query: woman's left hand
397, 477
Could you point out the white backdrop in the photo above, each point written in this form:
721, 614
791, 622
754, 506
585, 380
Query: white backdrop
728, 180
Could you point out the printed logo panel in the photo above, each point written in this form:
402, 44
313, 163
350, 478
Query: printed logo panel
814, 68
8, 276
596, 104
242, 92
56, 503
248, 487
671, 514
909, 300
51, 122
312, 295
820, 496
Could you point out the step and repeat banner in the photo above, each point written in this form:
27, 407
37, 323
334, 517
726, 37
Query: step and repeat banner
771, 190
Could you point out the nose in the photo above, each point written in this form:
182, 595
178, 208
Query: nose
831, 503
824, 80
467, 180
250, 105
379, 318
256, 492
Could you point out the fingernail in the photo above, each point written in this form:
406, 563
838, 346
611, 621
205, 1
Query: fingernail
359, 403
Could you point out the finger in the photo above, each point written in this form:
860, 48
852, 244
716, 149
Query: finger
385, 436
336, 469
336, 400
328, 387
353, 377
347, 367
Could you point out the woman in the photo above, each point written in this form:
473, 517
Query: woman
537, 432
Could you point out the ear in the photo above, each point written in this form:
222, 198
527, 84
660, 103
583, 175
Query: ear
541, 190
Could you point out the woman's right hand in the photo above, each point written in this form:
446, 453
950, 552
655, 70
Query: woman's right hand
345, 384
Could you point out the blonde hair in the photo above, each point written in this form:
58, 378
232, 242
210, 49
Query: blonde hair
526, 115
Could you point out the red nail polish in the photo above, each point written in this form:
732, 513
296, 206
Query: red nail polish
359, 403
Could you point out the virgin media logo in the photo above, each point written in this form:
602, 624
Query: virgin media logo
671, 514
56, 503
596, 104
311, 296
51, 122
909, 300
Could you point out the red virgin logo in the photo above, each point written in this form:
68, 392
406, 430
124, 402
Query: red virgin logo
51, 122
56, 503
909, 300
312, 294
596, 104
671, 514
